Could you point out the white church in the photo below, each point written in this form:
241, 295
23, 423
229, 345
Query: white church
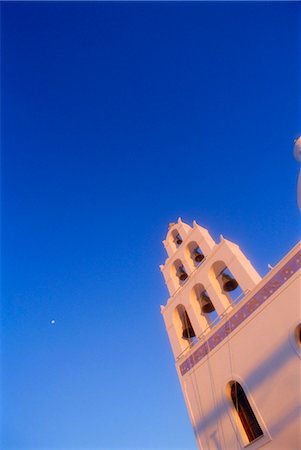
236, 340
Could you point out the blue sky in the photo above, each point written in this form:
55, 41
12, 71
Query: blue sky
117, 118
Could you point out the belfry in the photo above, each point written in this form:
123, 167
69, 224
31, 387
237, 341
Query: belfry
236, 339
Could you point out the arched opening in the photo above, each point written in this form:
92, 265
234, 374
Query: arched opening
176, 238
227, 282
195, 253
206, 306
298, 335
187, 331
178, 272
244, 412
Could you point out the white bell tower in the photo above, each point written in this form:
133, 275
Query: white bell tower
235, 339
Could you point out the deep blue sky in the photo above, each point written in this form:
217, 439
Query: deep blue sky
116, 119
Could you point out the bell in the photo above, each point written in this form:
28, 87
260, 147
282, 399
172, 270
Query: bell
229, 283
188, 331
198, 255
206, 304
181, 274
178, 239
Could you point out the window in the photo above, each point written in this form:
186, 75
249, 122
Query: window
181, 273
197, 256
228, 284
188, 333
298, 335
177, 238
295, 338
195, 253
245, 412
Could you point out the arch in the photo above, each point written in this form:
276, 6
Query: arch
195, 296
205, 306
298, 335
183, 326
221, 276
214, 271
295, 338
247, 421
194, 251
197, 291
175, 238
178, 272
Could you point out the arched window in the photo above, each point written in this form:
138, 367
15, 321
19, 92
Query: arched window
181, 273
195, 253
187, 329
178, 271
205, 305
227, 282
295, 338
298, 335
245, 412
177, 238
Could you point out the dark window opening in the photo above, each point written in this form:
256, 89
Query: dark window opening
178, 240
181, 273
229, 285
298, 335
228, 282
245, 412
206, 303
188, 331
197, 256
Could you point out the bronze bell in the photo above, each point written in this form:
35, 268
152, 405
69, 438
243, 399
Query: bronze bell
188, 331
206, 304
178, 239
181, 273
198, 255
229, 283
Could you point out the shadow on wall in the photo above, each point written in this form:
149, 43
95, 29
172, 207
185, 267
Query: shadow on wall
281, 356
